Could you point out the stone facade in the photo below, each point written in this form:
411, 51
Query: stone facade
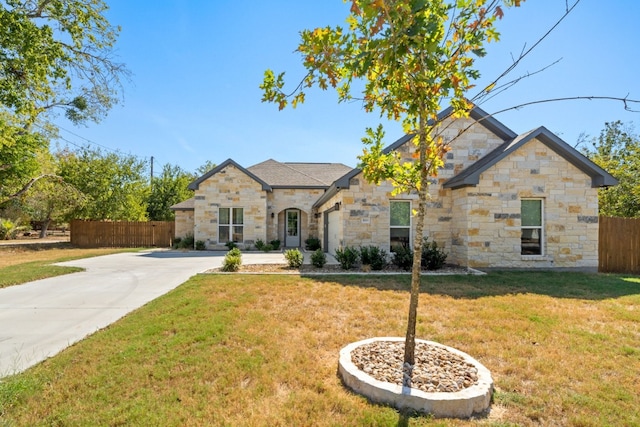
480, 226
473, 211
279, 200
489, 231
184, 220
230, 188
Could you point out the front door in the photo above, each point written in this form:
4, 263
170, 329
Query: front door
292, 238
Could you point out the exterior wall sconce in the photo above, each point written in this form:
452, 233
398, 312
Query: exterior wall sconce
337, 206
272, 215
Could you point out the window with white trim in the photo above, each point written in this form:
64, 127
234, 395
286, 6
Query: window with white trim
400, 223
230, 225
532, 230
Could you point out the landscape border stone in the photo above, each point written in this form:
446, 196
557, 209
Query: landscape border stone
461, 404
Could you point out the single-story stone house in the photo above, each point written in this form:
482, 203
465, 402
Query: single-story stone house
501, 200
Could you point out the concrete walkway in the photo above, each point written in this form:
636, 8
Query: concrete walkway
41, 318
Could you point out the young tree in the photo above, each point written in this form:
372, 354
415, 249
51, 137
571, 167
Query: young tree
167, 190
115, 185
617, 150
413, 55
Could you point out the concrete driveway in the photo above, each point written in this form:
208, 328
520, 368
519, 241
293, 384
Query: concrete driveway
41, 318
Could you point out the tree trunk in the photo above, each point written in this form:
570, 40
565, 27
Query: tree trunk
45, 227
410, 340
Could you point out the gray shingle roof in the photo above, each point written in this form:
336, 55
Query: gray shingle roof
187, 205
288, 175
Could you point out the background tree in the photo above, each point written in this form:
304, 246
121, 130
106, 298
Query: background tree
204, 168
50, 199
413, 56
115, 185
166, 190
617, 150
55, 56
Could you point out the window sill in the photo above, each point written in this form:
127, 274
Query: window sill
535, 258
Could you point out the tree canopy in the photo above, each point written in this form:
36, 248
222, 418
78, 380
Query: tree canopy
115, 185
617, 150
166, 190
56, 56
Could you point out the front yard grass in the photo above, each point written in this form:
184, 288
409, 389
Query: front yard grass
262, 350
25, 263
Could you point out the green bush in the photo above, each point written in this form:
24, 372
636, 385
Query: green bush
312, 244
262, 246
200, 246
318, 258
347, 257
232, 260
231, 245
402, 257
294, 257
185, 242
9, 229
275, 244
374, 256
433, 257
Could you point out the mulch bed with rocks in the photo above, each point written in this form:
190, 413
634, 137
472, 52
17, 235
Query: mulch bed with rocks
435, 370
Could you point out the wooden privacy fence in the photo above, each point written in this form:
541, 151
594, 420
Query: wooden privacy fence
619, 245
121, 234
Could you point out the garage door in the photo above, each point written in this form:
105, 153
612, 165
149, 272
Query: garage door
333, 231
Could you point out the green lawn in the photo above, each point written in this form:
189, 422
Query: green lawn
262, 350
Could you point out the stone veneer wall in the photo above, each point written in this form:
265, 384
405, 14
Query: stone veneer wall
491, 230
292, 198
365, 207
230, 188
184, 222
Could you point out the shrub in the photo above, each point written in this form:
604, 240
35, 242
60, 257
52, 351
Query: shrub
9, 229
275, 244
374, 256
433, 257
260, 244
267, 248
318, 258
347, 257
232, 260
200, 246
185, 242
176, 241
402, 257
294, 257
231, 245
312, 244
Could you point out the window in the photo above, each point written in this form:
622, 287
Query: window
400, 223
230, 225
531, 226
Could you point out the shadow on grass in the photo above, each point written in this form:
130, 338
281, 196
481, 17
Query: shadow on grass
589, 286
35, 246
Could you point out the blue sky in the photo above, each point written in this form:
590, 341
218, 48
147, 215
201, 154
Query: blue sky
197, 64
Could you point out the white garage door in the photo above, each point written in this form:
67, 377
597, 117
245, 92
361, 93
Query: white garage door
333, 220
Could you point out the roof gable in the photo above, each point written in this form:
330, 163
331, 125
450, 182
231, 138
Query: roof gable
471, 175
479, 116
196, 184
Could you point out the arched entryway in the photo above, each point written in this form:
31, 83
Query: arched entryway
292, 228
